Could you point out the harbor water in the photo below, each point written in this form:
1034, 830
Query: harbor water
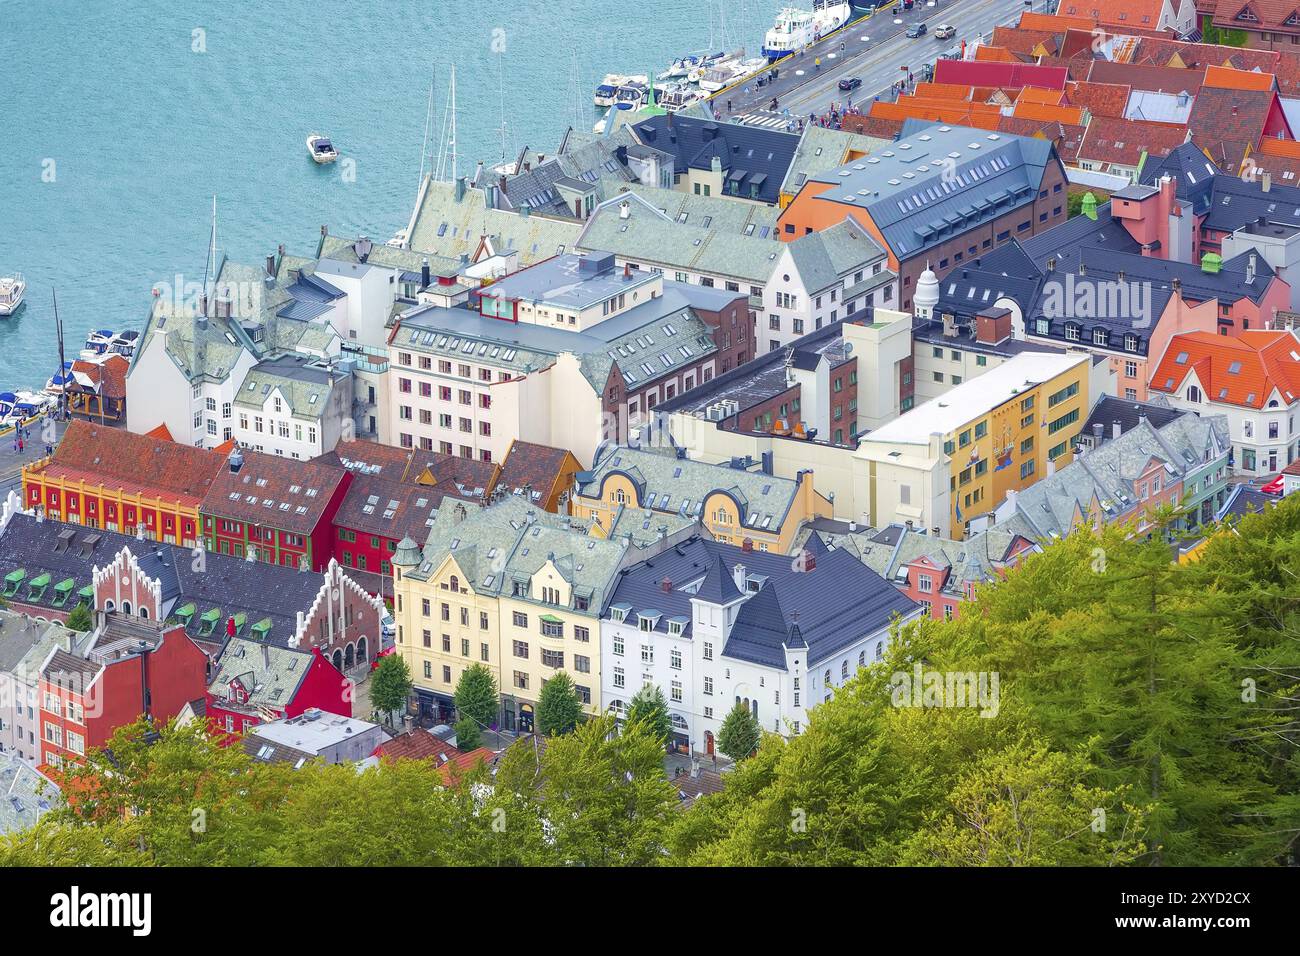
122, 120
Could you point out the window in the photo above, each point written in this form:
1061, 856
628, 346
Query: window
708, 686
520, 619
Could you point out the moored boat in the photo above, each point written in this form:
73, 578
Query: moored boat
795, 28
12, 289
321, 149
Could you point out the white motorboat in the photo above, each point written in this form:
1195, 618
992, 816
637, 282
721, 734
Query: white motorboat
610, 85
12, 289
795, 29
97, 343
124, 343
57, 382
630, 96
321, 149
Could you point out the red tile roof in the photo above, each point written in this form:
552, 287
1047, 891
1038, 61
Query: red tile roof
115, 458
1055, 22
1099, 99
1280, 158
462, 764
1120, 141
539, 467
1027, 43
1227, 78
1228, 123
1244, 370
1117, 13
419, 744
277, 492
1269, 16
1016, 75
162, 431
1156, 79
109, 374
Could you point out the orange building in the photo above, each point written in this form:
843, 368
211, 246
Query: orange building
104, 477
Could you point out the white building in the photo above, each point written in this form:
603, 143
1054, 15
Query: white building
712, 626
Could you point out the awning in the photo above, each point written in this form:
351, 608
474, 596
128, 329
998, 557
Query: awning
551, 619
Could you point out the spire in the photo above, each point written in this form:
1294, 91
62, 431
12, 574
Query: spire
717, 586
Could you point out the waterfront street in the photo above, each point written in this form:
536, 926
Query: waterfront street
874, 50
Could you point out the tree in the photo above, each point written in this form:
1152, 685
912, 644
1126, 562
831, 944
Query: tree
649, 707
80, 619
476, 695
558, 707
740, 734
390, 685
468, 736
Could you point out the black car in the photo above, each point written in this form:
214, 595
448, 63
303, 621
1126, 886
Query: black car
850, 83
916, 30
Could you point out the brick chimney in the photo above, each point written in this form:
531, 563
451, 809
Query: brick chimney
993, 326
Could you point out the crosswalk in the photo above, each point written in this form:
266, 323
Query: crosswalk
766, 119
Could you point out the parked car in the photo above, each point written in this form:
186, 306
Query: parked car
850, 83
388, 627
945, 31
916, 30
1272, 487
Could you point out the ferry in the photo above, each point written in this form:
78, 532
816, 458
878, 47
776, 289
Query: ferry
12, 289
795, 29
321, 149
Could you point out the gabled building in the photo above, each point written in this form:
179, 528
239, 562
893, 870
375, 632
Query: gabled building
272, 509
1252, 380
1123, 480
294, 406
737, 505
929, 209
111, 478
255, 683
25, 643
130, 670
713, 626
712, 158
314, 735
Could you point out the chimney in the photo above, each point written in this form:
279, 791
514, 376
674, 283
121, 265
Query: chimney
1250, 268
460, 188
738, 575
1265, 181
666, 585
424, 273
324, 231
236, 460
993, 326
266, 655
1051, 263
624, 210
270, 266
1115, 429
627, 271
501, 184
1177, 284
1098, 432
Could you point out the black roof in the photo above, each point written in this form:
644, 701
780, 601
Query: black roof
762, 155
1110, 410
231, 585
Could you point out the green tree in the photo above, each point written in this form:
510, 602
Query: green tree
558, 707
468, 736
476, 695
740, 733
649, 707
390, 685
80, 618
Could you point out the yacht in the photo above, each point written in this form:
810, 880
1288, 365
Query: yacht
124, 343
607, 91
795, 29
630, 96
321, 149
97, 343
12, 289
56, 383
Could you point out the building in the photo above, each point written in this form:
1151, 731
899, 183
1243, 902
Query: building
709, 158
1125, 478
25, 642
48, 569
561, 354
26, 795
736, 505
928, 209
1253, 380
97, 390
111, 478
939, 574
821, 148
130, 670
273, 509
714, 625
294, 406
1178, 16
416, 744
957, 456
804, 407
314, 735
255, 683
512, 588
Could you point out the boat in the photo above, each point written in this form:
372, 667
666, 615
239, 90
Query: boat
56, 382
12, 289
722, 76
795, 28
630, 96
609, 87
321, 149
21, 406
679, 97
97, 343
124, 343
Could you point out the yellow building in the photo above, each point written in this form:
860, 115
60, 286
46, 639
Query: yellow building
956, 456
733, 504
512, 587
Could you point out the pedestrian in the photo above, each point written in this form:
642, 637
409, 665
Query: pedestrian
20, 446
728, 106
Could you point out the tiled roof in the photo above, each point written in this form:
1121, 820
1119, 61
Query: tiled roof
275, 491
270, 675
376, 505
1227, 123
1146, 76
821, 148
463, 763
701, 783
1110, 410
1244, 370
537, 467
24, 638
1138, 13
1269, 15
26, 794
1123, 142
1100, 99
107, 374
417, 744
115, 457
1010, 75
1243, 500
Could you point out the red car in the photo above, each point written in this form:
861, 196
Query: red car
1274, 487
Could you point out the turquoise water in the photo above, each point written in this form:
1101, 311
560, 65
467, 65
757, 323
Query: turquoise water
118, 131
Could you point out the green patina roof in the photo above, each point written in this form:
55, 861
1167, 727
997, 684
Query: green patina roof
64, 585
212, 614
552, 619
263, 626
186, 611
14, 576
41, 580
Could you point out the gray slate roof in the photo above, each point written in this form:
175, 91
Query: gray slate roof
26, 795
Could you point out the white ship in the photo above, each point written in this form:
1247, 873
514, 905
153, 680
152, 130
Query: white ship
12, 289
795, 29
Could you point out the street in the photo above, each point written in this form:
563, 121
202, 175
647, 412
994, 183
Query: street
875, 50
